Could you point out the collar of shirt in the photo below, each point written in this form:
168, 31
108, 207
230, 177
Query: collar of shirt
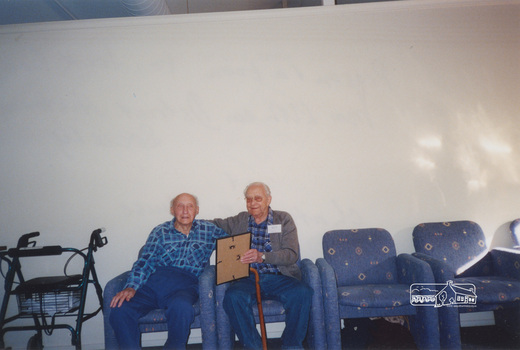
263, 224
194, 227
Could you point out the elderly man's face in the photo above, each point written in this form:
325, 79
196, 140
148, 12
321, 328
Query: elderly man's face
185, 209
257, 202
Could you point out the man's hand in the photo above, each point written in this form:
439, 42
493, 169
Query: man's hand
251, 256
122, 296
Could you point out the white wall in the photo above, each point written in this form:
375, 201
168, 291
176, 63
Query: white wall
384, 115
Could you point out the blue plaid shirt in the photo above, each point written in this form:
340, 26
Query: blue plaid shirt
168, 247
261, 241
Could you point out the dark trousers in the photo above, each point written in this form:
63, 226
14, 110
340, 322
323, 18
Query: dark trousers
168, 288
295, 296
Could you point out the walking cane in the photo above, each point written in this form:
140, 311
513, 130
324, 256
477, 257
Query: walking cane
260, 310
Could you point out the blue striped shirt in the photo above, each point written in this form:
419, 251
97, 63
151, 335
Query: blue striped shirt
166, 246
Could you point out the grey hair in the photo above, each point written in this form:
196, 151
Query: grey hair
172, 202
266, 188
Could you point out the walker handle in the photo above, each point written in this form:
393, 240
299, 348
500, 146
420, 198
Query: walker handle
23, 242
97, 240
35, 251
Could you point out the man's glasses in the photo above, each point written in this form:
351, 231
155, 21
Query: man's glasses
255, 198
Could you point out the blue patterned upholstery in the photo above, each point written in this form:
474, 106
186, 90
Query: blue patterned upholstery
155, 321
274, 311
457, 251
362, 277
515, 231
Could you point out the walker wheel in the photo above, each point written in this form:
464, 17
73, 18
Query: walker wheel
35, 343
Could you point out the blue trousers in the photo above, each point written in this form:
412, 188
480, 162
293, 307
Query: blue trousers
169, 288
295, 296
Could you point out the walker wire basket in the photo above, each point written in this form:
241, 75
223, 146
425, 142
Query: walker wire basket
48, 296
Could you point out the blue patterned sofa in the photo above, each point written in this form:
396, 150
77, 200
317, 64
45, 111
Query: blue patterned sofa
154, 321
362, 278
458, 255
274, 311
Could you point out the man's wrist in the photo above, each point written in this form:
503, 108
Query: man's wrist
263, 257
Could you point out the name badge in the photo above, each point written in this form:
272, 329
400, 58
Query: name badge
274, 228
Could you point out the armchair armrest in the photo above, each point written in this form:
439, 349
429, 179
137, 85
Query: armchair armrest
207, 307
411, 269
311, 276
225, 335
207, 287
114, 286
506, 262
330, 302
441, 271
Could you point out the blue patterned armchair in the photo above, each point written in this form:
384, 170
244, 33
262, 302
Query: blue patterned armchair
362, 277
155, 321
457, 254
274, 312
515, 232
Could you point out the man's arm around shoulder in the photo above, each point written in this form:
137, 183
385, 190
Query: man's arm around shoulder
233, 225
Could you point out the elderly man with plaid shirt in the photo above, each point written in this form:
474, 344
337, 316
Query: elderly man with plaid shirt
274, 253
166, 275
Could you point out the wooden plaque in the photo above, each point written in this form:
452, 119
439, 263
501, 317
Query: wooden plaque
229, 252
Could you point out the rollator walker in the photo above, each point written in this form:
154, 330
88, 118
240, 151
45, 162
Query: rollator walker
48, 300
